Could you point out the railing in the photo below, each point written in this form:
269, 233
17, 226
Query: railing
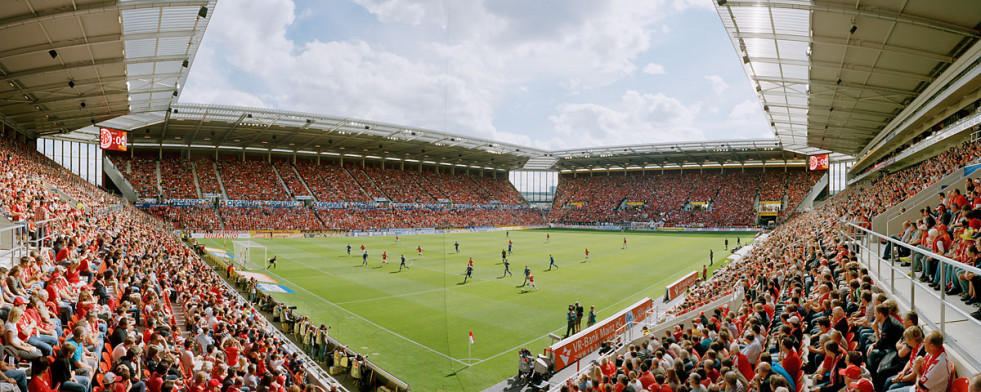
41, 231
11, 236
890, 278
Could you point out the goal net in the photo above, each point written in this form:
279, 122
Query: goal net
249, 255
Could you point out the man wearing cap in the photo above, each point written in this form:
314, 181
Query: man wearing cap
862, 385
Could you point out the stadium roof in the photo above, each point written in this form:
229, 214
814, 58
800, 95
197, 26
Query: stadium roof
229, 130
66, 64
672, 155
191, 126
835, 75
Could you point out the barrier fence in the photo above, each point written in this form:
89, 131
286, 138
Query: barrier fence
891, 277
12, 244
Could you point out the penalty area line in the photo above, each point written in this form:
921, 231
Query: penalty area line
393, 333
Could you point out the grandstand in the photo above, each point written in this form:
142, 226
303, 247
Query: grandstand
870, 260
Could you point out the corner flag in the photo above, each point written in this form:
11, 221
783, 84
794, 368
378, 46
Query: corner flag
469, 348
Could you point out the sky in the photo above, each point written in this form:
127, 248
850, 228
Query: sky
550, 74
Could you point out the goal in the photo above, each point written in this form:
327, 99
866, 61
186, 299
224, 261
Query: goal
249, 255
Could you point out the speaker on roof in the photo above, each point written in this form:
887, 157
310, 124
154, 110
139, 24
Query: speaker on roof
203, 12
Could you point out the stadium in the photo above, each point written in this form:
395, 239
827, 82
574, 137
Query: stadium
153, 243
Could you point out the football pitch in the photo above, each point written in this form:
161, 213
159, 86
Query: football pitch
415, 323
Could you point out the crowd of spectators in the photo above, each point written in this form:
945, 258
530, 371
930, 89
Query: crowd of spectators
350, 219
812, 315
872, 197
140, 171
331, 183
204, 168
250, 180
456, 188
256, 180
497, 189
732, 205
292, 179
177, 179
773, 184
93, 307
400, 186
798, 185
200, 218
664, 196
259, 218
362, 178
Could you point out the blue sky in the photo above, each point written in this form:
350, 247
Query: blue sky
550, 74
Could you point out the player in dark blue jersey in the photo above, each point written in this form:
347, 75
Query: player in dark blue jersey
507, 268
403, 264
551, 263
469, 274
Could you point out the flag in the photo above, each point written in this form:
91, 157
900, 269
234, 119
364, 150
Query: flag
471, 337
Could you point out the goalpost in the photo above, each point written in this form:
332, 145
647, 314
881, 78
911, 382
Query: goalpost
249, 255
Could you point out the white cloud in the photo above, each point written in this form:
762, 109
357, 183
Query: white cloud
451, 66
746, 120
745, 110
654, 69
719, 85
636, 118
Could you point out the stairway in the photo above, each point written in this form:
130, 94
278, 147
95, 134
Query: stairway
358, 183
281, 182
159, 184
419, 182
197, 183
117, 178
304, 182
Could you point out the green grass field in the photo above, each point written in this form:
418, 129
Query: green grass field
415, 323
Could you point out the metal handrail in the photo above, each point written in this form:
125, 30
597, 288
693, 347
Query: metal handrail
940, 325
942, 258
18, 248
